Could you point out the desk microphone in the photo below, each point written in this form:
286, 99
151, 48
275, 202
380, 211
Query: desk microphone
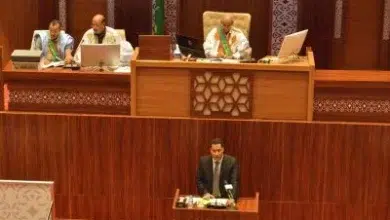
229, 189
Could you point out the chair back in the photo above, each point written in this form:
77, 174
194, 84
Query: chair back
212, 19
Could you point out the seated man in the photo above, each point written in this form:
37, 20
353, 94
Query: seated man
102, 34
55, 44
214, 170
226, 41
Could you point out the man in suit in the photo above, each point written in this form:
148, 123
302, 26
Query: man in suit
216, 169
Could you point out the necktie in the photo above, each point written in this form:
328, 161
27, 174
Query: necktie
216, 192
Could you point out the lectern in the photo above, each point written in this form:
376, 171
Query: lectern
247, 209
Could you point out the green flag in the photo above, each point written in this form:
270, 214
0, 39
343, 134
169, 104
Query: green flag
158, 17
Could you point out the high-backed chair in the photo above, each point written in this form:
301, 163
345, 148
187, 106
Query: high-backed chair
33, 200
242, 21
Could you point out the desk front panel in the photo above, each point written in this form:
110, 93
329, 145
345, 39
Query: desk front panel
67, 91
352, 95
221, 93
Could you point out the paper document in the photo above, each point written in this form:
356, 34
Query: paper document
53, 64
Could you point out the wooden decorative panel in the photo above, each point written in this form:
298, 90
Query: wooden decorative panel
346, 106
221, 94
352, 96
67, 100
59, 90
109, 168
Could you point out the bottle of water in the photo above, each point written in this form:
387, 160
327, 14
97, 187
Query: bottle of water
176, 52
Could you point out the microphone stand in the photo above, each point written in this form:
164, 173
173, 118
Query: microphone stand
230, 196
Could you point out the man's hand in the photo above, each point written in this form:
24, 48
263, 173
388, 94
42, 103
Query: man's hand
68, 59
208, 196
230, 202
46, 61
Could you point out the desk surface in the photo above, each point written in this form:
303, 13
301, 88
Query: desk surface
352, 76
301, 65
59, 70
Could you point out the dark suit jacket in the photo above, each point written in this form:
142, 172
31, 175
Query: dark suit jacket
229, 173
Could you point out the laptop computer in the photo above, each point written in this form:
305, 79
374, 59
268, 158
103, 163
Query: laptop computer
189, 45
100, 55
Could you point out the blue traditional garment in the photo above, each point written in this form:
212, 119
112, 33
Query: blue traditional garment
56, 49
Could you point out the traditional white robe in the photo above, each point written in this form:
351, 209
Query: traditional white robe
237, 42
111, 37
63, 43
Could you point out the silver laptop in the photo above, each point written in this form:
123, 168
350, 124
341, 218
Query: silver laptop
100, 55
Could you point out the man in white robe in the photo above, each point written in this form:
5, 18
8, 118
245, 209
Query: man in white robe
55, 44
102, 34
226, 41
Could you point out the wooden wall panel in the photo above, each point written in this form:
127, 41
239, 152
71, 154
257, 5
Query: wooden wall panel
128, 168
80, 13
360, 47
318, 17
190, 20
18, 20
363, 34
135, 17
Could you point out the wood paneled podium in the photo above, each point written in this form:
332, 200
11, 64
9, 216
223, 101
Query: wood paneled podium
247, 209
175, 88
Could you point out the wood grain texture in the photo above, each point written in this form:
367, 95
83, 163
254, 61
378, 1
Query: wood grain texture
363, 34
155, 93
129, 168
318, 17
1, 80
135, 17
155, 47
61, 90
18, 20
280, 91
79, 16
350, 95
280, 95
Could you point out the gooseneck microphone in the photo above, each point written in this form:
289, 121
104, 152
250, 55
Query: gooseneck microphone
229, 189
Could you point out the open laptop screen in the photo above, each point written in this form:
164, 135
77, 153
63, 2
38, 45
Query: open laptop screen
190, 45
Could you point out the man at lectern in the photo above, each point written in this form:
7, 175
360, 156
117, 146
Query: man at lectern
218, 173
226, 41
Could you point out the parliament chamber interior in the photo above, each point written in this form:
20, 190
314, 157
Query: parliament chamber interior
203, 110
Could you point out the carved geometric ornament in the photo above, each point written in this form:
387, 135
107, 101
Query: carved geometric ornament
221, 94
351, 105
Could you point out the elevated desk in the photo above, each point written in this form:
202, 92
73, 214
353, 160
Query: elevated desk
247, 209
62, 90
223, 90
